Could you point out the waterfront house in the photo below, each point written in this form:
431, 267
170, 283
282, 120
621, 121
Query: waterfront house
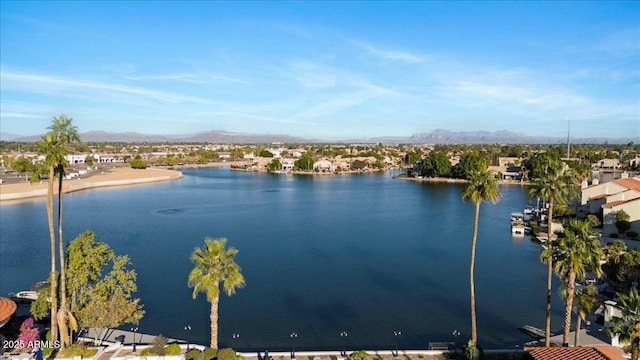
606, 164
287, 164
506, 162
607, 198
322, 165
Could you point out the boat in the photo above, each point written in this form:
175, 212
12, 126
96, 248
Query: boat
543, 237
518, 230
517, 216
28, 295
533, 331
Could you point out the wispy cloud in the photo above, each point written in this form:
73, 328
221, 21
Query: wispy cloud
54, 84
196, 78
389, 55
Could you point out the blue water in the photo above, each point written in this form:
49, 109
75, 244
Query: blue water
365, 254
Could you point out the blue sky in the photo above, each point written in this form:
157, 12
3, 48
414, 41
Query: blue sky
325, 70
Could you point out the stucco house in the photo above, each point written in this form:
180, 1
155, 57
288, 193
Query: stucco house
322, 165
607, 198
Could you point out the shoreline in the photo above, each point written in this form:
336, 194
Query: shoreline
455, 181
110, 178
124, 176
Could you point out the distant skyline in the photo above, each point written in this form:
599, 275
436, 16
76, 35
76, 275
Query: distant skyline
325, 70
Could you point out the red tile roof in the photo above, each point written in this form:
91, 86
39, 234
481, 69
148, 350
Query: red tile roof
618, 202
575, 353
629, 183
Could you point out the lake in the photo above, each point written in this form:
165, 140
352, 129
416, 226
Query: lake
365, 254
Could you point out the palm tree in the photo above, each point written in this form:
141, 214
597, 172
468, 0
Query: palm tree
63, 129
482, 186
554, 187
628, 326
50, 147
585, 300
575, 252
214, 265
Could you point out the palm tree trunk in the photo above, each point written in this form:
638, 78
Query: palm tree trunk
474, 330
64, 335
635, 349
214, 322
547, 327
54, 280
571, 288
576, 339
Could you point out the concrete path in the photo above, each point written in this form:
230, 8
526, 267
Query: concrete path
111, 336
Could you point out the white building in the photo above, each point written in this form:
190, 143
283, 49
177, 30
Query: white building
610, 197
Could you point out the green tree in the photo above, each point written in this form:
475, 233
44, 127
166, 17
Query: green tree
86, 259
89, 160
214, 264
274, 165
23, 165
627, 327
586, 298
469, 163
265, 153
553, 186
138, 163
536, 164
63, 129
110, 302
622, 222
53, 150
574, 252
304, 163
436, 164
483, 186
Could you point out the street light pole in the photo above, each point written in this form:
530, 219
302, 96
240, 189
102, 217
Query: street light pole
235, 337
455, 334
293, 344
397, 334
134, 329
187, 329
344, 335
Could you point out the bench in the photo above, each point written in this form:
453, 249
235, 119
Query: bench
439, 345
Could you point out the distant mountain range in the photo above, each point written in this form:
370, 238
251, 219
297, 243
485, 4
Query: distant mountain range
438, 136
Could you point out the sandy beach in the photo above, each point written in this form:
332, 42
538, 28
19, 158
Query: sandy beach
104, 178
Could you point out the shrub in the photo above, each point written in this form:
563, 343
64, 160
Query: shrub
226, 354
158, 345
360, 354
173, 349
147, 351
210, 353
194, 354
471, 351
623, 226
593, 220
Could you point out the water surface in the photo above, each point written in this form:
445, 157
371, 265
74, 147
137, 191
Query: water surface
365, 254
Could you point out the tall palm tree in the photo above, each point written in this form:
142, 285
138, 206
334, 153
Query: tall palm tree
554, 186
576, 252
585, 301
628, 325
63, 129
214, 265
483, 186
53, 150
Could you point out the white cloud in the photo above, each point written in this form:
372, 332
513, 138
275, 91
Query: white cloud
52, 84
389, 55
